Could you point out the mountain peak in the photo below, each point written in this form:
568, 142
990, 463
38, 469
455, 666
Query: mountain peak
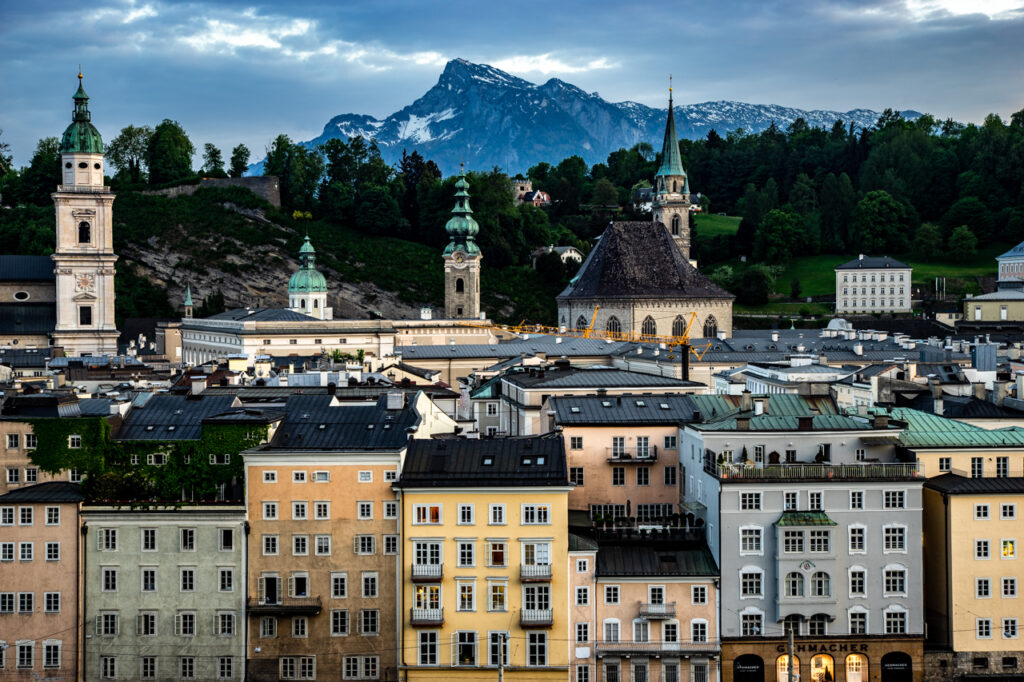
464, 72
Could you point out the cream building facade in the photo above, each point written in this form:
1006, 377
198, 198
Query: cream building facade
870, 284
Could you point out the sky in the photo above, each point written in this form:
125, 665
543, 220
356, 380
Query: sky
243, 72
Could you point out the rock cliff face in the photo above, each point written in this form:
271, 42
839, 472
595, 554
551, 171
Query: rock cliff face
488, 118
264, 286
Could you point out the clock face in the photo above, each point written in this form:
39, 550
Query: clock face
459, 256
85, 282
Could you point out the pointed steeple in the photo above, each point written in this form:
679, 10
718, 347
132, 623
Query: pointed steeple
81, 136
671, 161
461, 227
188, 301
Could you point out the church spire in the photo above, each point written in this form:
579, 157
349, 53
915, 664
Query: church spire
461, 227
188, 301
671, 161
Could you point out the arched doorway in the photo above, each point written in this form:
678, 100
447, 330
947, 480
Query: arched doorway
897, 667
649, 327
782, 667
822, 668
748, 668
710, 327
857, 668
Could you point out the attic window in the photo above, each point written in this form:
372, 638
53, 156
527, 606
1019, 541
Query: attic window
526, 461
574, 410
641, 403
370, 426
170, 428
487, 461
606, 403
149, 428
663, 406
540, 461
323, 426
178, 411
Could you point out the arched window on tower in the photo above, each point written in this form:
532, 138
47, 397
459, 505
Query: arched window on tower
613, 325
649, 327
710, 327
460, 285
84, 232
581, 322
316, 303
676, 222
674, 186
678, 326
302, 303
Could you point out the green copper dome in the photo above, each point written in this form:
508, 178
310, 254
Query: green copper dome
461, 227
308, 279
81, 136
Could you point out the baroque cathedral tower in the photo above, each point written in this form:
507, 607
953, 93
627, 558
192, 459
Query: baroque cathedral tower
462, 259
671, 205
84, 256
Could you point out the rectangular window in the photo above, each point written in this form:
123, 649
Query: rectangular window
1007, 512
188, 580
576, 475
894, 499
108, 624
339, 623
945, 463
467, 555
370, 621
426, 514
365, 544
427, 648
575, 442
270, 511
26, 551
858, 580
856, 499
793, 541
339, 585
391, 544
858, 541
751, 624
895, 538
821, 541
188, 540
582, 596
671, 476
53, 551
750, 501
896, 623
106, 539
149, 539
582, 633
981, 512
323, 545
52, 602
618, 476
225, 624
643, 476
149, 580
814, 501
1009, 587
108, 667
981, 550
983, 627
671, 442
187, 667
698, 631
226, 579
497, 593
268, 626
982, 588
369, 585
791, 500
699, 594
858, 623
109, 579
466, 516
53, 516
750, 584
895, 581
1009, 550
977, 467
537, 649
497, 648
225, 668
300, 627
147, 667
299, 510
466, 596
270, 477
611, 594
496, 514
270, 545
1009, 628
226, 539
364, 510
536, 514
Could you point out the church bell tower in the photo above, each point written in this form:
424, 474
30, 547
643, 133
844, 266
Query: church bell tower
462, 258
671, 205
84, 256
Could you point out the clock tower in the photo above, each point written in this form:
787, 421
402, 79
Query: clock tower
84, 257
671, 205
462, 259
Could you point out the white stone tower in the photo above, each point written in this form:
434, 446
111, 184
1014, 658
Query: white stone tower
84, 257
307, 288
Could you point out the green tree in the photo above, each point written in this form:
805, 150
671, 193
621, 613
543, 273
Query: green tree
879, 224
754, 285
213, 161
973, 213
928, 242
962, 242
127, 151
169, 153
43, 175
836, 206
239, 161
604, 193
794, 288
802, 197
298, 169
779, 237
5, 156
723, 276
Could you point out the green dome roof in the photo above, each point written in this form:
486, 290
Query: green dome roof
308, 279
461, 227
81, 136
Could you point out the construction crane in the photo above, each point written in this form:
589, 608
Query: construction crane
676, 344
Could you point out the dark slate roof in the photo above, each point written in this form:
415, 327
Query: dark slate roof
170, 416
319, 422
25, 357
485, 462
639, 260
1015, 252
581, 543
577, 377
42, 405
246, 415
643, 559
26, 269
262, 315
570, 347
871, 263
27, 318
54, 491
628, 409
961, 485
94, 407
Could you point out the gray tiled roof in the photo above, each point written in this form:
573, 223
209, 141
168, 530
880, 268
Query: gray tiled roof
485, 462
54, 491
27, 318
570, 347
575, 377
954, 484
262, 315
641, 559
633, 409
318, 422
169, 416
26, 269
25, 357
639, 260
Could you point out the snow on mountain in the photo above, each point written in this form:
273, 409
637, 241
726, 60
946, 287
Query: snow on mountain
491, 118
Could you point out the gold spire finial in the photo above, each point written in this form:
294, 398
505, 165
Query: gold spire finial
79, 73
670, 84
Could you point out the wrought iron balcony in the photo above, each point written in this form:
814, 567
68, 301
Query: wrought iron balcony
309, 606
535, 573
423, 617
867, 471
656, 648
634, 454
658, 611
427, 572
536, 618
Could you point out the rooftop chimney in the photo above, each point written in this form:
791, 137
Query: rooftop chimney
742, 423
395, 400
198, 384
881, 421
745, 404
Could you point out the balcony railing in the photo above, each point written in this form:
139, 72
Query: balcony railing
656, 648
426, 616
287, 606
658, 611
534, 573
92, 189
884, 471
427, 572
632, 454
536, 618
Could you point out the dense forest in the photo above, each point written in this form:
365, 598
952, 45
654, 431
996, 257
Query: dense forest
912, 187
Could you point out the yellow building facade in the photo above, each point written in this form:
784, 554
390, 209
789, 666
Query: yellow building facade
484, 551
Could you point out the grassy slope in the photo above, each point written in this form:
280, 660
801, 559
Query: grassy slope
711, 225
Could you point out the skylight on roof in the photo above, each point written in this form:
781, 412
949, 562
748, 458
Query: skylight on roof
574, 409
606, 403
641, 403
488, 461
663, 406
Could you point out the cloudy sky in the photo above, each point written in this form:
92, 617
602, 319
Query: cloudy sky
245, 71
